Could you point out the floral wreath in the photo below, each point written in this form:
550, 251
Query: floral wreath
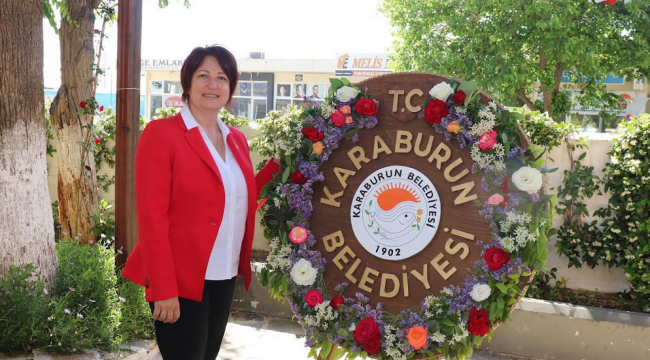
450, 323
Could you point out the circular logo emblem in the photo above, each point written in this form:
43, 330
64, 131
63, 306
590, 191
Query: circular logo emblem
395, 212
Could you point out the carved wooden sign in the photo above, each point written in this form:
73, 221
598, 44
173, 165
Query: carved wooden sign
396, 216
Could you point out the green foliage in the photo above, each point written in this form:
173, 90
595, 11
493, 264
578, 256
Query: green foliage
48, 13
165, 3
231, 120
280, 133
165, 112
82, 311
23, 309
136, 322
507, 47
104, 227
104, 138
625, 220
541, 130
85, 310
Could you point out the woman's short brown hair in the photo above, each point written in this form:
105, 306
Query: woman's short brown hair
225, 59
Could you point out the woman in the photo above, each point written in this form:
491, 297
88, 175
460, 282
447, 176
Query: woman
196, 197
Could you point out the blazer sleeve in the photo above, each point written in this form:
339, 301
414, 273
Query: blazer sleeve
153, 177
265, 175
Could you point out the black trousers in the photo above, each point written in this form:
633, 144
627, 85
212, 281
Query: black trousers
198, 332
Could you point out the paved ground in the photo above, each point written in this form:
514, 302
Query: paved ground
248, 337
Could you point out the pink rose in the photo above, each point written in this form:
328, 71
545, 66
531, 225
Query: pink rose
298, 235
495, 199
313, 298
488, 140
348, 120
347, 110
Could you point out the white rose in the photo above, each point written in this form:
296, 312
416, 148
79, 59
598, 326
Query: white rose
527, 179
441, 91
303, 273
346, 93
480, 292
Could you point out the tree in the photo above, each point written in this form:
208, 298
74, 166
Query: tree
76, 183
508, 46
26, 229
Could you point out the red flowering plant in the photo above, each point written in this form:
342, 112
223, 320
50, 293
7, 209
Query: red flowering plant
457, 318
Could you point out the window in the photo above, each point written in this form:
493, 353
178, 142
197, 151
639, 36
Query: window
295, 94
163, 90
250, 100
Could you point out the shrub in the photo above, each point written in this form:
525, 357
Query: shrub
135, 322
23, 307
84, 311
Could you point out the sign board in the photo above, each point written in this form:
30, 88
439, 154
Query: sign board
396, 216
362, 65
161, 64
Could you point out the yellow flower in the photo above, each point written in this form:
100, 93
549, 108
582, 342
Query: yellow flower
453, 127
419, 211
317, 147
417, 219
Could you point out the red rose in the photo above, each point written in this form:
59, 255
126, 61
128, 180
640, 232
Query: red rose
367, 107
366, 329
371, 346
97, 141
435, 111
459, 97
496, 258
338, 118
313, 134
101, 108
506, 185
506, 198
83, 104
313, 298
478, 323
336, 301
297, 177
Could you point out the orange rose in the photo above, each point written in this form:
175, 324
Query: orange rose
453, 127
348, 120
317, 147
417, 337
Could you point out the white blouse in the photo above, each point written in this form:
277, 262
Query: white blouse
224, 259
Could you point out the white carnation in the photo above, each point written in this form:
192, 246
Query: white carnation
441, 91
527, 179
303, 273
480, 292
346, 93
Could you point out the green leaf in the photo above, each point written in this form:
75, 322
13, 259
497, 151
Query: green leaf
285, 175
469, 88
325, 350
338, 353
346, 82
582, 156
336, 84
502, 287
548, 170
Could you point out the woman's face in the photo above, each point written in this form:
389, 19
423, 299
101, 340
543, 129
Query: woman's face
210, 89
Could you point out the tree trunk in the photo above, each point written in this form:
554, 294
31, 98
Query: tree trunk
26, 228
77, 189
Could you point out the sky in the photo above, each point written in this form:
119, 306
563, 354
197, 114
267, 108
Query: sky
282, 29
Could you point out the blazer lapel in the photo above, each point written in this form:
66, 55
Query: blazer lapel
197, 143
243, 161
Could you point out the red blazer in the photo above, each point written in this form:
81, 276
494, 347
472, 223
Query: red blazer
180, 199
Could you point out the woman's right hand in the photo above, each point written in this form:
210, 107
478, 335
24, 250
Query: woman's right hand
167, 311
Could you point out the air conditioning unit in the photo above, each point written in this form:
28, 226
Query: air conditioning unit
256, 55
